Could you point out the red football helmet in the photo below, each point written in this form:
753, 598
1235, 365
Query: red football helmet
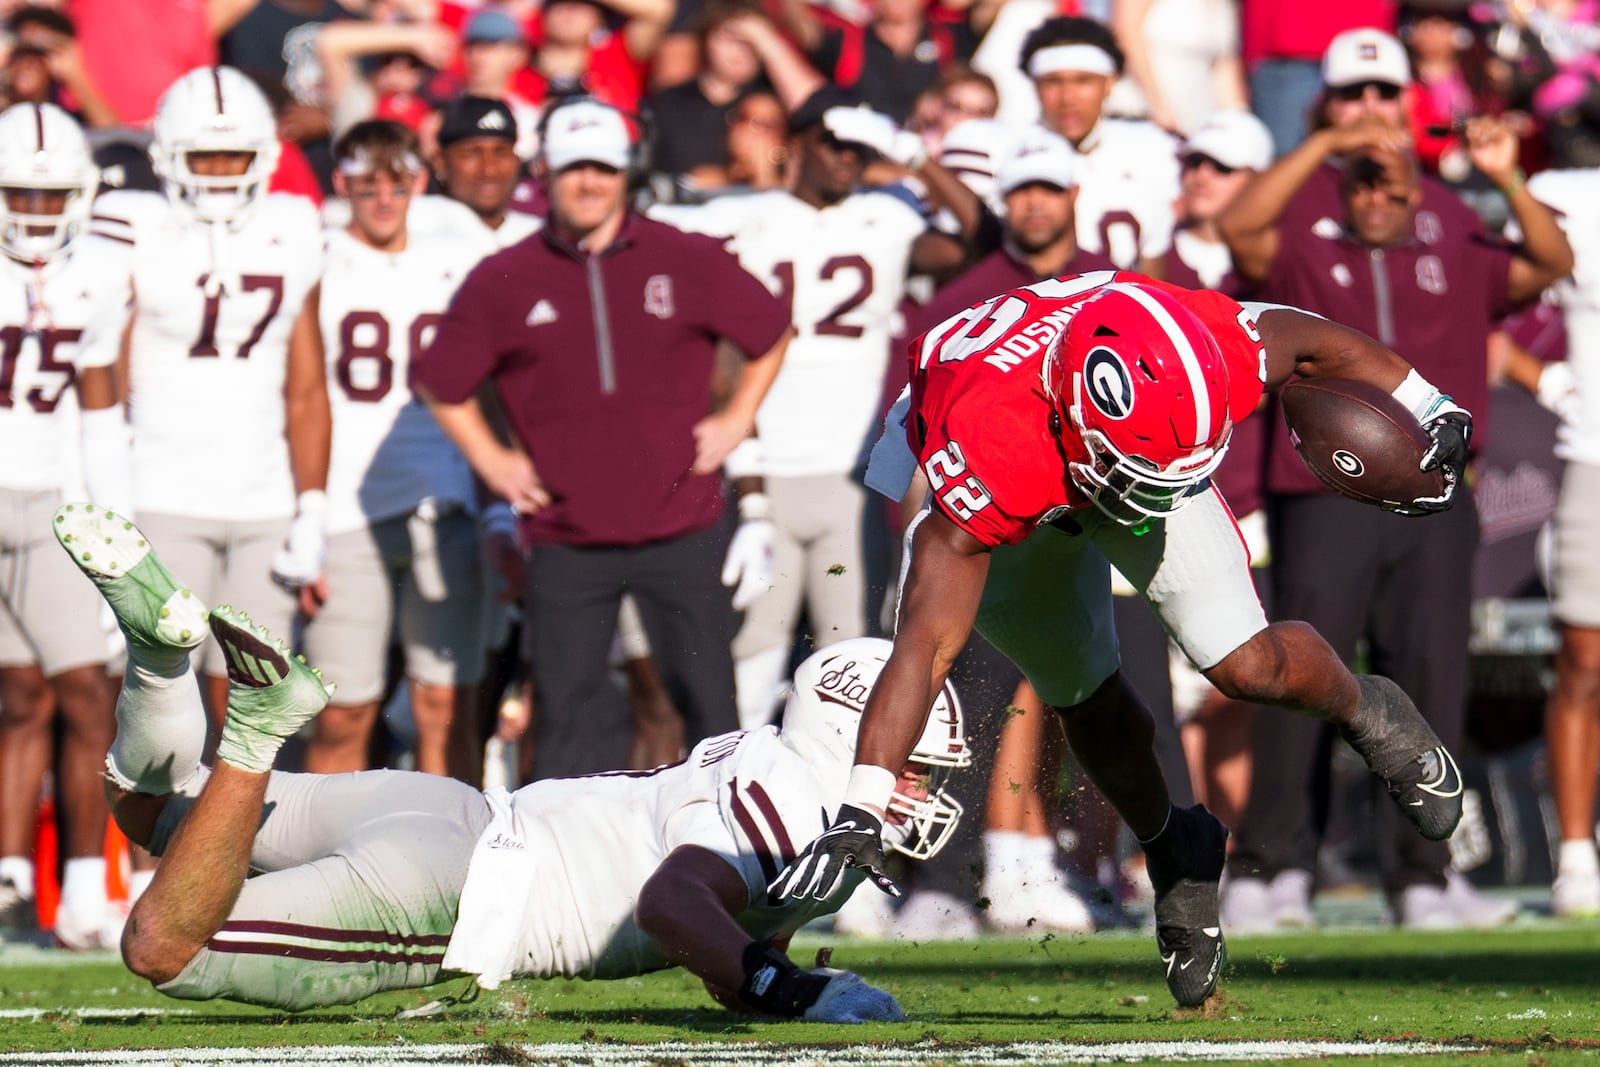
1142, 382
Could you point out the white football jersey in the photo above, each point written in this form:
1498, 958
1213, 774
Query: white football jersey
843, 271
1128, 181
1574, 195
83, 300
378, 312
588, 845
440, 216
206, 372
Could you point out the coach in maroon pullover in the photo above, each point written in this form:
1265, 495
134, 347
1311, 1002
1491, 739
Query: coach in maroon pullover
599, 334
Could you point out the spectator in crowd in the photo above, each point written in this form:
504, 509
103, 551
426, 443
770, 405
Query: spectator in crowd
1128, 171
494, 51
738, 47
246, 511
1450, 86
379, 70
61, 290
1354, 571
403, 555
46, 66
617, 459
888, 60
1218, 160
1551, 55
421, 861
1572, 390
1184, 55
136, 51
757, 148
574, 51
477, 166
838, 256
961, 95
1282, 43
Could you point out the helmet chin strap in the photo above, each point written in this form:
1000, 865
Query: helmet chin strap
39, 319
219, 279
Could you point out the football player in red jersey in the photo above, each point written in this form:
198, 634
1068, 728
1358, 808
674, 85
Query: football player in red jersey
1074, 422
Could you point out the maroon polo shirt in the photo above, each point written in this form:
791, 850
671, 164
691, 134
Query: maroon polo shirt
1433, 298
603, 365
998, 272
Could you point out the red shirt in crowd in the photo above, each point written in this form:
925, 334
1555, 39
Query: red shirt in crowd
603, 364
1294, 29
136, 50
980, 422
1433, 297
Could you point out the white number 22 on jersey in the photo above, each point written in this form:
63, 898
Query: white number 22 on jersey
963, 498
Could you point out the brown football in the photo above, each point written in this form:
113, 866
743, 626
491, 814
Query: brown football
1359, 441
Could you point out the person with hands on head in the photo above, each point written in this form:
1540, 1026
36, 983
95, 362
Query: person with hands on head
1387, 262
1065, 427
599, 334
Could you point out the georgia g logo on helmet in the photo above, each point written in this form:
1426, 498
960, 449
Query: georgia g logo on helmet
1107, 383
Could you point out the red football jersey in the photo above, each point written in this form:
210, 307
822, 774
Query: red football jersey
980, 421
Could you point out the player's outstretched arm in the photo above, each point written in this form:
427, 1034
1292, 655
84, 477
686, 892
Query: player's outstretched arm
937, 607
687, 908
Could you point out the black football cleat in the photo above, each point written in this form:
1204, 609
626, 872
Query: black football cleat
1402, 749
1185, 865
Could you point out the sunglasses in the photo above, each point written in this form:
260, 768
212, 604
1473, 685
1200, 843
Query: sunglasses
1349, 94
1195, 159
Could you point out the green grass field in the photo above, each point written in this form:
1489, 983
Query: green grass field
1528, 994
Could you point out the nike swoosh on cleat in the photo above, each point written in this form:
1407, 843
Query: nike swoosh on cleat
1186, 963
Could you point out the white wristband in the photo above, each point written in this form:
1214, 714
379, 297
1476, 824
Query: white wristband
1418, 395
313, 502
870, 787
754, 506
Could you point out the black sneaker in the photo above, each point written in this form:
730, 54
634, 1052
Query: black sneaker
1185, 865
1402, 749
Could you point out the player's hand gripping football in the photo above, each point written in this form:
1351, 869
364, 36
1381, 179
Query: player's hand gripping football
1450, 427
854, 840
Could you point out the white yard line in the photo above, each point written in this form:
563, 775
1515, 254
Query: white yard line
731, 1054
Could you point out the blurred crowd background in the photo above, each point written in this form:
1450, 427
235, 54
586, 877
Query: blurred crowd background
1163, 111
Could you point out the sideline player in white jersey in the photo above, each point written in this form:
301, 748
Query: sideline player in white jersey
1572, 390
63, 306
392, 879
402, 538
1128, 176
841, 256
227, 394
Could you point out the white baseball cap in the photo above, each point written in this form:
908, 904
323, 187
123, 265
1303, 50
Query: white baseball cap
1365, 55
586, 132
1038, 156
1233, 138
972, 150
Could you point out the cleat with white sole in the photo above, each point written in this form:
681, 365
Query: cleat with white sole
1185, 872
152, 607
271, 693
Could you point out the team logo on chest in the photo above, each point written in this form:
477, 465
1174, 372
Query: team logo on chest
1107, 383
658, 296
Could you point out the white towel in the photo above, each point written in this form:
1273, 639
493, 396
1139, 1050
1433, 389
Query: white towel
486, 940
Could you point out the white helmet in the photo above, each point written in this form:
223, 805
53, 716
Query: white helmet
823, 714
214, 109
43, 149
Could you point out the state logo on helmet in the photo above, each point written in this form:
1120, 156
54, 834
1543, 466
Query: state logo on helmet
207, 115
820, 722
1140, 381
47, 181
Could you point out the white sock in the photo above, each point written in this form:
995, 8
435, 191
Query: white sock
161, 725
1577, 858
1004, 854
18, 870
1039, 860
138, 882
83, 883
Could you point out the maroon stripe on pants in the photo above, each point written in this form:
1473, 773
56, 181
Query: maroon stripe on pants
328, 933
748, 824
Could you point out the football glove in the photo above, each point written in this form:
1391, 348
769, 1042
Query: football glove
848, 999
864, 126
854, 840
299, 561
1449, 426
748, 565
